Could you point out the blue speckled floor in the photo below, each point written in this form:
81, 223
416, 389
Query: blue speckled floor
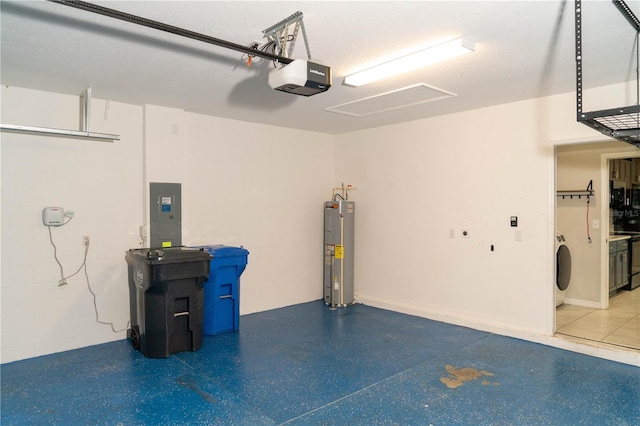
306, 365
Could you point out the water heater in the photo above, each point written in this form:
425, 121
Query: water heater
338, 253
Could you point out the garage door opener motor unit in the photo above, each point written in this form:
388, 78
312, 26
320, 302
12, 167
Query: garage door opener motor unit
301, 77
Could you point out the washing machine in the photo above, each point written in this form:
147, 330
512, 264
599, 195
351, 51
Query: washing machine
563, 268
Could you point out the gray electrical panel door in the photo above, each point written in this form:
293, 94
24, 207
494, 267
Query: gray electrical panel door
165, 211
338, 271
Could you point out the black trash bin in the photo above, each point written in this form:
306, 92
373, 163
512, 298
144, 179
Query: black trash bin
166, 299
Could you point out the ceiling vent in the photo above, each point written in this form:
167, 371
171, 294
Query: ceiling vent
405, 97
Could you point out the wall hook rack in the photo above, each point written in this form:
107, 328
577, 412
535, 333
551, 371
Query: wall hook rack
577, 192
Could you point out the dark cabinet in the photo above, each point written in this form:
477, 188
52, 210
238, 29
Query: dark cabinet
618, 264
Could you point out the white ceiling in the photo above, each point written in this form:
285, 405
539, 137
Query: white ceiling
523, 49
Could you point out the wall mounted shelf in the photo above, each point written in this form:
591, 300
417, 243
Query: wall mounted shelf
83, 133
58, 132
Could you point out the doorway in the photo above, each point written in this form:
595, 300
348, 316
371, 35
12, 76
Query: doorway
588, 312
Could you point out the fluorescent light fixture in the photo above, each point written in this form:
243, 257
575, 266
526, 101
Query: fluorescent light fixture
412, 61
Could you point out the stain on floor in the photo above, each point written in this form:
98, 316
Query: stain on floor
190, 385
458, 376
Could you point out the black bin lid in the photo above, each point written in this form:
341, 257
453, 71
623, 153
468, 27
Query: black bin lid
169, 255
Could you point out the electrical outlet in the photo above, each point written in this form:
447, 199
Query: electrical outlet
85, 240
519, 236
452, 233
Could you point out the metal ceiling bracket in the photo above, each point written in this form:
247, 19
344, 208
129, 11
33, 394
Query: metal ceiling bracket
627, 13
279, 34
578, 16
622, 123
83, 133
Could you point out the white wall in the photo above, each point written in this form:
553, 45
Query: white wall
164, 153
421, 179
263, 187
99, 181
243, 184
471, 170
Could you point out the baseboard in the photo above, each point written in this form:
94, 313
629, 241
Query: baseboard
617, 354
583, 303
451, 317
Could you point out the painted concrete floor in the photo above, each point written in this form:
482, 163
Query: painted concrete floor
306, 365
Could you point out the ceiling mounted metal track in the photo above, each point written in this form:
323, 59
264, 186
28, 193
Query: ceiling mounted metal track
116, 14
622, 123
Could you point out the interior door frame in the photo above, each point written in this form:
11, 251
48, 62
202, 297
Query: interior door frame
605, 219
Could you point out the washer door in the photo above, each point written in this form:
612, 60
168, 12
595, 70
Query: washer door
563, 267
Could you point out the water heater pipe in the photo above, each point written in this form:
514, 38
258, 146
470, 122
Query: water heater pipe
332, 277
344, 192
342, 258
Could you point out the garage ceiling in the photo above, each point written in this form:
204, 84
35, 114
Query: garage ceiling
524, 49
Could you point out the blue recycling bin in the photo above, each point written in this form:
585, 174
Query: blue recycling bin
222, 289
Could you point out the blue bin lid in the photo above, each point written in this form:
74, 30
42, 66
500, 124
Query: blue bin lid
220, 250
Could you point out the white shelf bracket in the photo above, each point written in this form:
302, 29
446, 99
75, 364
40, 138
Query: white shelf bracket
83, 133
85, 110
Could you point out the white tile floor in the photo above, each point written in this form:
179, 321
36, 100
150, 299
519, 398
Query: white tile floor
619, 325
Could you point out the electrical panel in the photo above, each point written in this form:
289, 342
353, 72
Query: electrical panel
165, 214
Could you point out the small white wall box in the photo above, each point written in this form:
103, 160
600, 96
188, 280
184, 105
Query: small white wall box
53, 216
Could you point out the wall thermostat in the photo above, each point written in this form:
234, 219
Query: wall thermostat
53, 216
